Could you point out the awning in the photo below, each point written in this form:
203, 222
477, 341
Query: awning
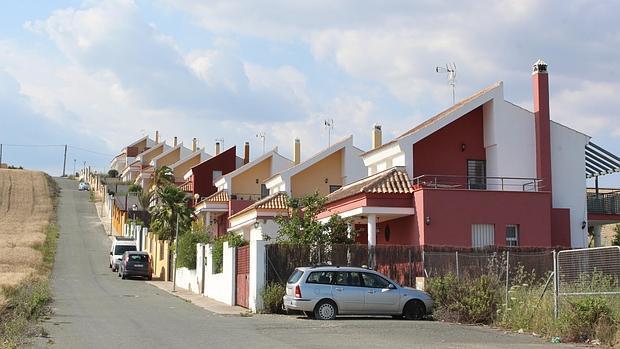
600, 162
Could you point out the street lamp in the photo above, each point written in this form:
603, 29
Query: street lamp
134, 208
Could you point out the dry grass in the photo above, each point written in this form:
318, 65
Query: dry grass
26, 209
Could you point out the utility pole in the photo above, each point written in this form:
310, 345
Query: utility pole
64, 163
0, 154
73, 165
176, 252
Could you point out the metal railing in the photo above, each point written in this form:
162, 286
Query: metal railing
604, 203
476, 183
241, 196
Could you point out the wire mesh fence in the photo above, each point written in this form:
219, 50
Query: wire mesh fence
591, 271
403, 263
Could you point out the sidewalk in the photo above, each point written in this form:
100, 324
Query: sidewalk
199, 300
105, 222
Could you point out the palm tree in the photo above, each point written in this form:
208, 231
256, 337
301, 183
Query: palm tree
172, 203
163, 176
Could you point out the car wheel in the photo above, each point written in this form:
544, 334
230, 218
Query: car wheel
309, 314
325, 310
414, 310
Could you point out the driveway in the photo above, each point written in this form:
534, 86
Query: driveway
94, 308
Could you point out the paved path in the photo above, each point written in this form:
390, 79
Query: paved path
95, 309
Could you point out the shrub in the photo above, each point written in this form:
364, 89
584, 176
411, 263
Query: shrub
272, 298
113, 173
217, 250
468, 301
583, 315
186, 257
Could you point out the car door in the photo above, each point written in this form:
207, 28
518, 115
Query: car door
379, 298
348, 292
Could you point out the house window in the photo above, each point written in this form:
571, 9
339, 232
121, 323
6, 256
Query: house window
476, 174
333, 188
512, 235
216, 175
482, 235
264, 192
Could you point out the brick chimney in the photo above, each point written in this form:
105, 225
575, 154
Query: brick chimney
297, 152
217, 148
540, 89
246, 152
376, 136
194, 144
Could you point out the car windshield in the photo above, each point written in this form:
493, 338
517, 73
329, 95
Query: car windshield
120, 249
138, 258
295, 276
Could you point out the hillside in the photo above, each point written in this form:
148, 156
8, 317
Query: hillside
26, 208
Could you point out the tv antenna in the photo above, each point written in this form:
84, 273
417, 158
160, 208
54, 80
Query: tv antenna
450, 71
261, 136
329, 125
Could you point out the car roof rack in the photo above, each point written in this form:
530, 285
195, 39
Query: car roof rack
319, 265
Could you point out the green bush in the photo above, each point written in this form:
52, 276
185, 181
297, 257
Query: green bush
579, 321
468, 301
186, 257
272, 298
217, 249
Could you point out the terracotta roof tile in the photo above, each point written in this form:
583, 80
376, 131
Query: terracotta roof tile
390, 181
277, 201
220, 196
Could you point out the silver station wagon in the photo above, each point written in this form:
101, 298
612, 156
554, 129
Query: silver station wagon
326, 291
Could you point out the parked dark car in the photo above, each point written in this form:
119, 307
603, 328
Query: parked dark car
135, 263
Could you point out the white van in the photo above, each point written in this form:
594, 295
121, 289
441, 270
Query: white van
119, 246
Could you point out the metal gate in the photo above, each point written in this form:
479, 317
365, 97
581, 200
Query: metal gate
242, 283
587, 271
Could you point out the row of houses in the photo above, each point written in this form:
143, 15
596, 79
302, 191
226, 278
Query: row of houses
482, 172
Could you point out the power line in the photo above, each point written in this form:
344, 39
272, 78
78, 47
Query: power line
55, 145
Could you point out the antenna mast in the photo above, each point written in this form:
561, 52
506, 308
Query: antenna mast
261, 136
329, 125
450, 71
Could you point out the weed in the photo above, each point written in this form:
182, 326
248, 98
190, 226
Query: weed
272, 298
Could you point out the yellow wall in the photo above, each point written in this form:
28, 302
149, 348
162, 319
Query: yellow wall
245, 183
141, 146
148, 157
313, 178
169, 158
182, 169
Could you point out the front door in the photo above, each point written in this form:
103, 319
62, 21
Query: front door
348, 292
378, 297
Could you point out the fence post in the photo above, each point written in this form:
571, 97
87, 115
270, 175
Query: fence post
507, 271
457, 264
410, 282
555, 285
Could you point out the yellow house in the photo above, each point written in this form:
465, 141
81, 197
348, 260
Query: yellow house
143, 163
328, 170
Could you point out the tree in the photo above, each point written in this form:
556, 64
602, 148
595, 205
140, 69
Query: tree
301, 226
145, 198
172, 203
113, 173
616, 240
163, 176
134, 188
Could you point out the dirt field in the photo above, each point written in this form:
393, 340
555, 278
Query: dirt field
25, 211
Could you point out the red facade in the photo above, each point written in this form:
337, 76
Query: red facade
202, 174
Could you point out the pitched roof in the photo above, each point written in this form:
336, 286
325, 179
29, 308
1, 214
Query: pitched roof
220, 196
439, 116
390, 181
277, 201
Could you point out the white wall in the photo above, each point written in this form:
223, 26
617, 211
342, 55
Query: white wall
221, 287
568, 178
258, 274
187, 279
353, 166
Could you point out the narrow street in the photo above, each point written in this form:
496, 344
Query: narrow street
94, 308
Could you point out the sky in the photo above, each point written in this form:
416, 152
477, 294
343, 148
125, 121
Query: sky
98, 75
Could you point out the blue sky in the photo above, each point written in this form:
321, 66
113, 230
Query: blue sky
99, 74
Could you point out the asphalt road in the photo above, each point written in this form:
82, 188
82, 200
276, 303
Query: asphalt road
94, 308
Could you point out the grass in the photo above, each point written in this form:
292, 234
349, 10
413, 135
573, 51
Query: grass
29, 238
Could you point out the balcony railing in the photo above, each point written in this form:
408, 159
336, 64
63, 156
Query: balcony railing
604, 203
477, 183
